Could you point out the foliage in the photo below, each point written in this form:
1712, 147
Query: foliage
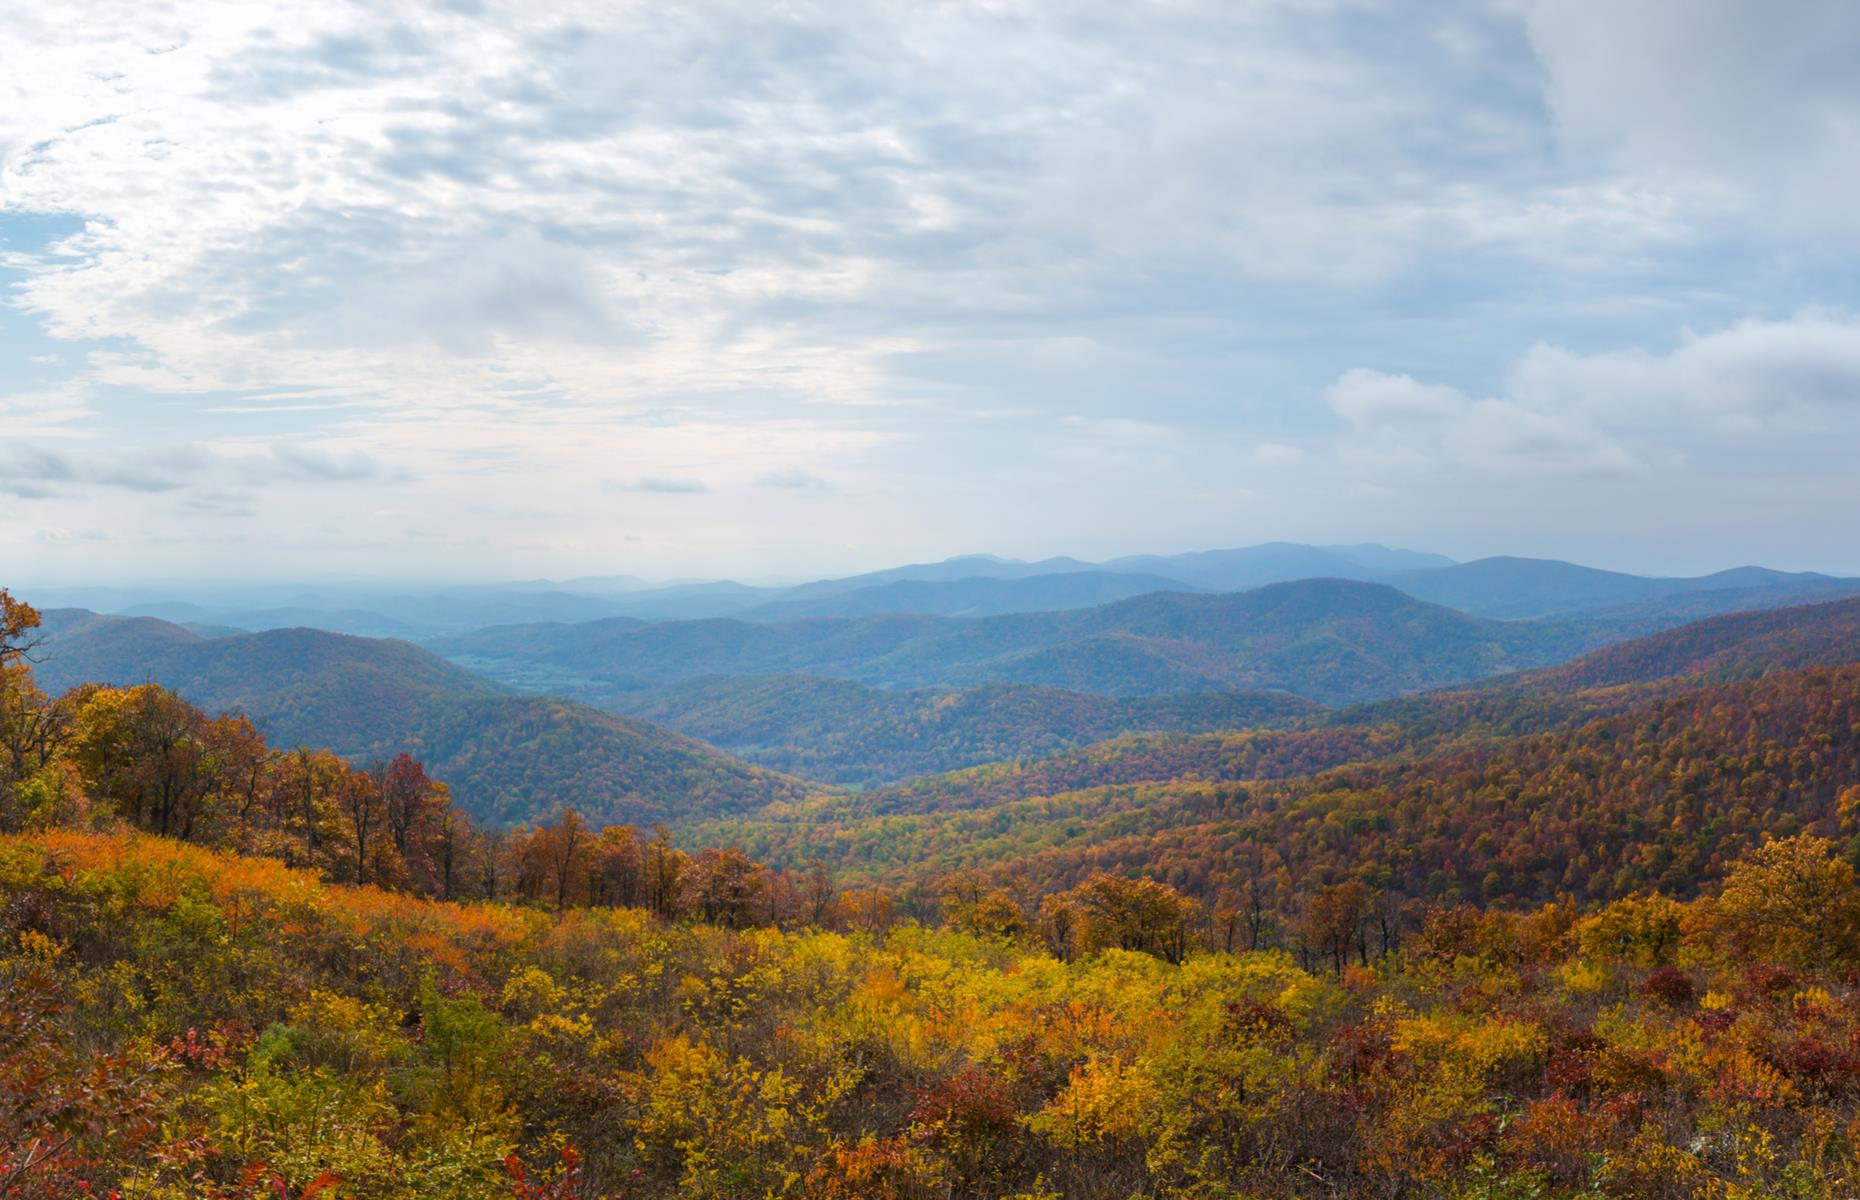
362, 1043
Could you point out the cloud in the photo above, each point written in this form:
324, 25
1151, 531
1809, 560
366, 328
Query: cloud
1400, 419
1803, 373
38, 472
665, 486
310, 464
23, 466
222, 503
1721, 90
161, 470
1562, 410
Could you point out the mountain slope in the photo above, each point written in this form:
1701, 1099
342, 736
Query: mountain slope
1662, 794
1333, 641
845, 732
1737, 645
508, 758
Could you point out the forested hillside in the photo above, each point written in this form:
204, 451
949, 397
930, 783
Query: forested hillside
1739, 645
1501, 796
510, 759
845, 732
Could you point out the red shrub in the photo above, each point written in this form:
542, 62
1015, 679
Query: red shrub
970, 1106
1670, 986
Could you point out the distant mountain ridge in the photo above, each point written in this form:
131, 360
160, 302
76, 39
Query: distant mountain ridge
1503, 587
974, 596
1334, 641
1512, 588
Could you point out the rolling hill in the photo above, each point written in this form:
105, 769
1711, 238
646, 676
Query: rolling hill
1661, 793
845, 732
508, 758
1733, 723
1333, 641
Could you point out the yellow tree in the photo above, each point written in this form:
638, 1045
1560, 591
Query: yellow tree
1793, 899
17, 621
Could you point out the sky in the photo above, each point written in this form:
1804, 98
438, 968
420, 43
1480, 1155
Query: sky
474, 289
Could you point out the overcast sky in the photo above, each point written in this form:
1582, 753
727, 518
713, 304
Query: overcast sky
480, 289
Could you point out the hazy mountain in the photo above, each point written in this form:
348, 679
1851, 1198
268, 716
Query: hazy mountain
979, 585
1278, 562
846, 732
693, 601
1536, 587
507, 757
965, 566
1329, 640
358, 622
972, 597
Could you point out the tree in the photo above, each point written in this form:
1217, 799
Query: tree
868, 910
34, 731
411, 804
151, 755
1793, 899
730, 887
817, 896
617, 872
1134, 914
1333, 921
17, 621
554, 859
1062, 925
366, 815
666, 867
312, 779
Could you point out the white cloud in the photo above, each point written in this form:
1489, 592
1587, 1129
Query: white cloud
1803, 373
1401, 421
38, 471
1566, 411
666, 487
